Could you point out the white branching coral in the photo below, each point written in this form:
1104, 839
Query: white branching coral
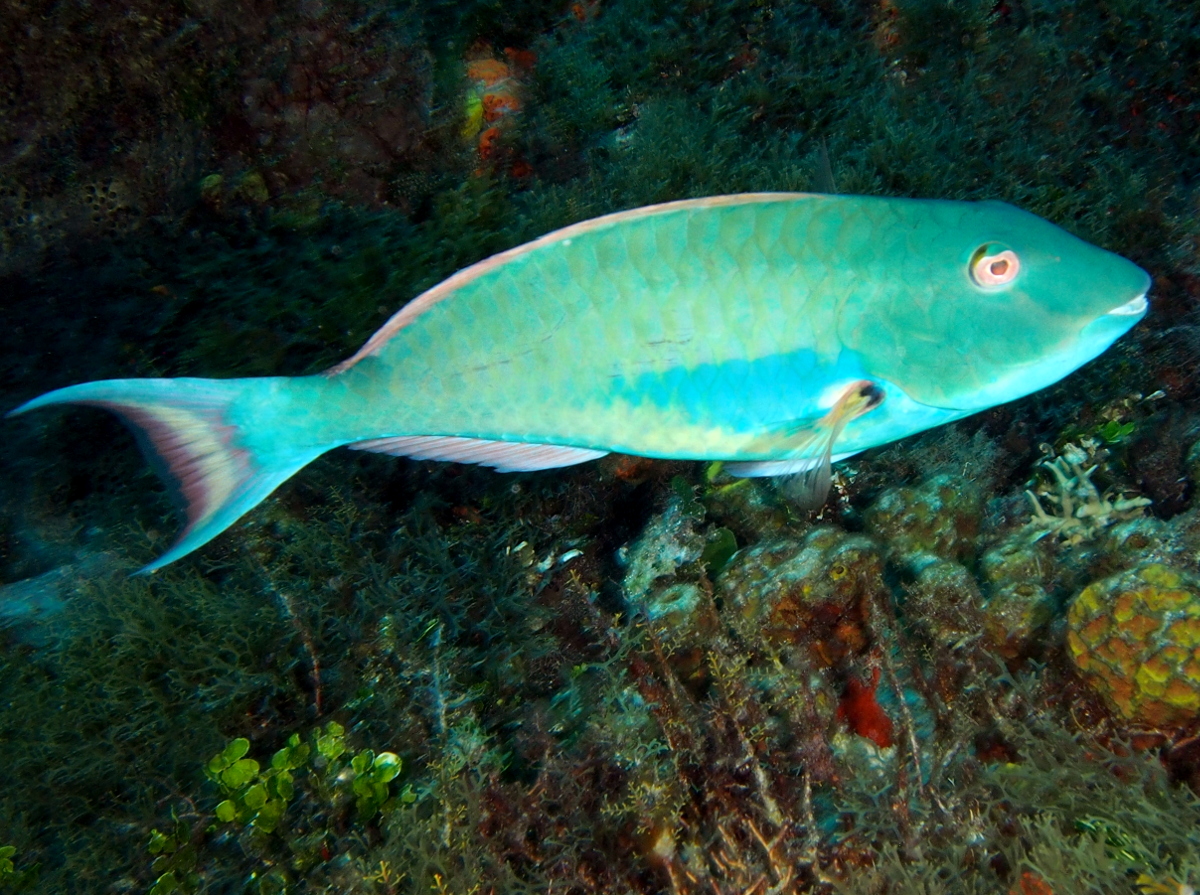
1077, 508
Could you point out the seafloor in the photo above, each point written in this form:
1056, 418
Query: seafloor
976, 670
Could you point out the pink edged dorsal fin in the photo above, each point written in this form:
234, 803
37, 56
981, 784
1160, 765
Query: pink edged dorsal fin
452, 284
504, 456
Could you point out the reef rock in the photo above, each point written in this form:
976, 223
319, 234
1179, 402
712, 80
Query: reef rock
941, 515
816, 592
1020, 602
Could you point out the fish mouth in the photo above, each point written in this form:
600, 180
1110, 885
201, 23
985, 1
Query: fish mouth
1135, 307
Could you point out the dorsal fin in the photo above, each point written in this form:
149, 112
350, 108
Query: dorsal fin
449, 286
504, 456
823, 181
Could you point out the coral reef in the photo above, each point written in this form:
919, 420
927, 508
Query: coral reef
1079, 510
633, 676
493, 104
1135, 637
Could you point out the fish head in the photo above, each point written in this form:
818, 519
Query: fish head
967, 305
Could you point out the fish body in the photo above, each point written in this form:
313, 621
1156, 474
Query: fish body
775, 331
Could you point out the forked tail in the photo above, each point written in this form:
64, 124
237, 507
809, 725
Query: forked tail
220, 445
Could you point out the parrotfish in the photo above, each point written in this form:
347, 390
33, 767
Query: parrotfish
778, 332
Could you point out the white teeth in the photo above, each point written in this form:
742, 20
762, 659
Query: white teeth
1133, 306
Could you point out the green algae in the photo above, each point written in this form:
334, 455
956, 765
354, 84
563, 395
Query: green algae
98, 722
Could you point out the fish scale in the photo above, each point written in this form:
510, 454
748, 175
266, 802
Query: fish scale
777, 331
596, 321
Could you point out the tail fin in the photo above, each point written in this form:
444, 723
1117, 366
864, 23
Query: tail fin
200, 436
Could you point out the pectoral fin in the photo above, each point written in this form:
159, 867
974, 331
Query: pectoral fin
756, 469
809, 473
811, 487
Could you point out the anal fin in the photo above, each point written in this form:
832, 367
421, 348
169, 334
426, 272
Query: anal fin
504, 456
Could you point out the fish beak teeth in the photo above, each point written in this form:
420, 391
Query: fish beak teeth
1135, 307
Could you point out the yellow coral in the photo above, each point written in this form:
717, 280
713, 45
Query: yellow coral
1135, 638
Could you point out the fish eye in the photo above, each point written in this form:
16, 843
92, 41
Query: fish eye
994, 265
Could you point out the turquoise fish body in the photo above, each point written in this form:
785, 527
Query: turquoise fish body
728, 328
